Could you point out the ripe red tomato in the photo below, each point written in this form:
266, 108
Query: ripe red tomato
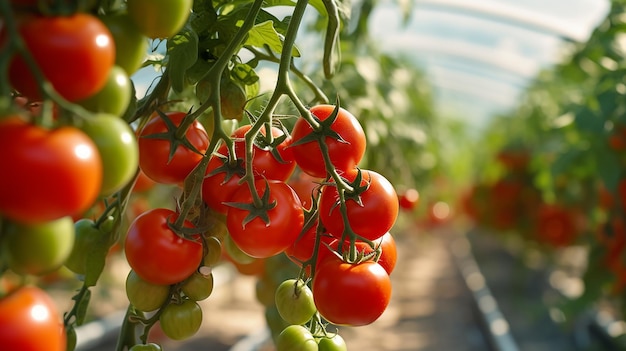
257, 238
48, 174
344, 154
156, 253
555, 226
409, 199
221, 180
264, 163
302, 249
154, 152
29, 320
370, 218
351, 294
305, 186
388, 256
74, 53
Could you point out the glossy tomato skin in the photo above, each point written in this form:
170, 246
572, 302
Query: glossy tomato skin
118, 150
74, 53
388, 256
221, 181
156, 253
37, 248
154, 152
145, 296
264, 163
256, 238
344, 155
295, 338
30, 321
371, 218
159, 18
351, 294
131, 46
181, 321
48, 174
114, 96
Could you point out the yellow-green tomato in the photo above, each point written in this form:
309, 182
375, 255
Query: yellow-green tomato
198, 287
159, 19
181, 321
36, 248
118, 149
145, 296
114, 96
294, 301
296, 338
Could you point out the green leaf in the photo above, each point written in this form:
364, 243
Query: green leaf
245, 74
81, 307
609, 168
183, 53
264, 34
588, 121
96, 261
566, 160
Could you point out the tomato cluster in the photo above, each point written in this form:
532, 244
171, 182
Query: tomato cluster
80, 152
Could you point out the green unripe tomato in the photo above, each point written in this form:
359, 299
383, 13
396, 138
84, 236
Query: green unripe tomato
214, 251
158, 19
332, 343
146, 347
86, 235
114, 96
118, 149
198, 287
294, 301
181, 321
296, 338
37, 248
131, 46
145, 296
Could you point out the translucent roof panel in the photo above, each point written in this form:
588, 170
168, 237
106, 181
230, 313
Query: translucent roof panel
480, 54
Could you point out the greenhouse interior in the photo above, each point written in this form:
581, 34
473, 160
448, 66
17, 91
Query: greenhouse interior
313, 175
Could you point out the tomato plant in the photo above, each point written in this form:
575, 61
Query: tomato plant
294, 301
372, 208
180, 321
198, 286
269, 229
221, 180
86, 237
346, 142
74, 53
29, 312
169, 161
351, 294
156, 253
68, 158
